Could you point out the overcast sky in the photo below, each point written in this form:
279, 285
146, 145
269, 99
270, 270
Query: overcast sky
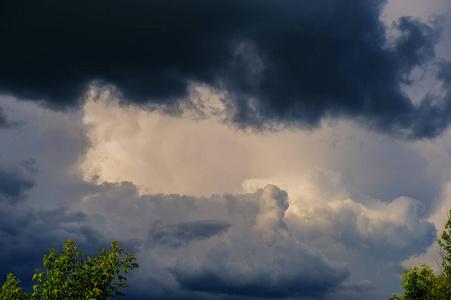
240, 149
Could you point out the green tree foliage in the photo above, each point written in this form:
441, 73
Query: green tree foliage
69, 276
418, 283
445, 245
421, 283
10, 289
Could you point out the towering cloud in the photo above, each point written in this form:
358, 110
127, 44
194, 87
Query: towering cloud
278, 63
269, 221
255, 245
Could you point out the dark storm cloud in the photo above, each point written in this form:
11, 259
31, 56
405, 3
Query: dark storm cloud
16, 180
27, 233
280, 62
415, 44
178, 234
287, 271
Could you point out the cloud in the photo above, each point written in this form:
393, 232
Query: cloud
256, 245
51, 143
252, 244
327, 214
278, 63
335, 223
165, 154
16, 180
5, 122
269, 221
287, 269
274, 230
3, 119
370, 230
231, 249
416, 43
178, 234
323, 211
27, 233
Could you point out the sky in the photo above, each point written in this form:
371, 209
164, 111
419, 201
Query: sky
242, 150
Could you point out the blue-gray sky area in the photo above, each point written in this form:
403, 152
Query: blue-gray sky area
240, 149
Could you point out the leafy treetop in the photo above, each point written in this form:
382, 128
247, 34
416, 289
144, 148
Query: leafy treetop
69, 276
421, 283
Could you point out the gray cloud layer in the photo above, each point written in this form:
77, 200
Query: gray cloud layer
26, 234
279, 62
252, 245
3, 119
314, 240
232, 255
229, 256
289, 269
16, 180
178, 234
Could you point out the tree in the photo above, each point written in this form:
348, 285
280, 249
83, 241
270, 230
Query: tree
10, 289
445, 245
70, 276
422, 283
418, 283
